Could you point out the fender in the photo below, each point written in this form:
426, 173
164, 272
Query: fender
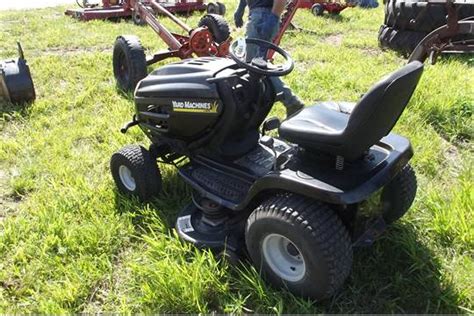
349, 186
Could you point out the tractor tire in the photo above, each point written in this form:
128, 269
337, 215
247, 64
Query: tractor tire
221, 8
421, 16
317, 9
212, 8
129, 62
217, 25
401, 41
299, 244
136, 173
399, 194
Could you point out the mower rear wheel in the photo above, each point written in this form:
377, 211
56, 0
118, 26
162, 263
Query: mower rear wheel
300, 244
135, 172
399, 194
129, 62
217, 25
317, 9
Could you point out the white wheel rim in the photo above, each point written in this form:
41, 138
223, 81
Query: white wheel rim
127, 179
283, 257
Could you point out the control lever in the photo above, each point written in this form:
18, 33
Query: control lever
268, 142
132, 123
270, 124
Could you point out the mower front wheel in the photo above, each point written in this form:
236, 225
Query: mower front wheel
299, 244
136, 173
129, 62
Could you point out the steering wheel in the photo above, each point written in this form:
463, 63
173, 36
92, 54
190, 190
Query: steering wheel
259, 65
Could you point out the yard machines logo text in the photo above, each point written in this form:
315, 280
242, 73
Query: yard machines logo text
193, 106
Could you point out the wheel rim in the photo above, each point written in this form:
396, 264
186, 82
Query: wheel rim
137, 18
122, 67
127, 179
283, 257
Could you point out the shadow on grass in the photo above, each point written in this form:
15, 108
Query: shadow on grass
398, 274
8, 108
124, 94
162, 210
334, 17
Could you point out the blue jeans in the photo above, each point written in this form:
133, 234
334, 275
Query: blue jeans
257, 17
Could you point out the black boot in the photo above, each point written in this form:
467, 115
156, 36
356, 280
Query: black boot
293, 105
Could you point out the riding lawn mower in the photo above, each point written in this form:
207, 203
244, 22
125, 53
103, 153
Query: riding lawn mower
295, 204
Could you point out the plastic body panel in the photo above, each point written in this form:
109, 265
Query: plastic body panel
178, 100
316, 180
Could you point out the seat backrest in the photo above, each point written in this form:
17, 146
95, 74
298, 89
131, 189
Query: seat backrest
380, 108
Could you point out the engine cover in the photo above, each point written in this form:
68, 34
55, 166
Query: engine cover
177, 100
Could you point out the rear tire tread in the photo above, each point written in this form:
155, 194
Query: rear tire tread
400, 193
320, 223
217, 25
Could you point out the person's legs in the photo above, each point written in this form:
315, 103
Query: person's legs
284, 93
256, 19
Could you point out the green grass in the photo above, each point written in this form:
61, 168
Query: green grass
70, 243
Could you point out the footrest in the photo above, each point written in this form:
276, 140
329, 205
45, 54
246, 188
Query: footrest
224, 186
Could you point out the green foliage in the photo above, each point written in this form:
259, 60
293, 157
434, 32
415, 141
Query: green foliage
70, 243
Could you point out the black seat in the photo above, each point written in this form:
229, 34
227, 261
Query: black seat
320, 128
339, 106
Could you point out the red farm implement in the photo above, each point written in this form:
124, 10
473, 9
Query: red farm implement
210, 38
110, 9
318, 7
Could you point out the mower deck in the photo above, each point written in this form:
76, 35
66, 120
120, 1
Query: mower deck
216, 230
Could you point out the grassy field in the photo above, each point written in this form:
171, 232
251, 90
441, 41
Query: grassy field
70, 243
